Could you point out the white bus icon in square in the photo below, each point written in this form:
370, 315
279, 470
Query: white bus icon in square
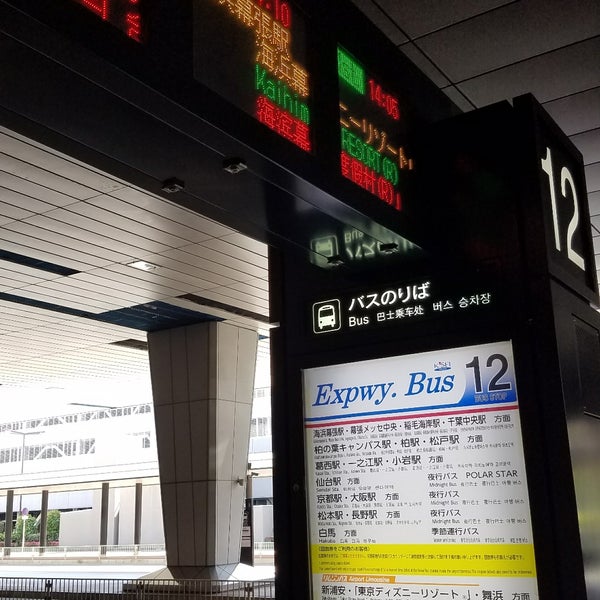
326, 316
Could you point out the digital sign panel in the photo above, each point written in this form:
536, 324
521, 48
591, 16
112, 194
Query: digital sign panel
372, 132
124, 14
416, 481
253, 53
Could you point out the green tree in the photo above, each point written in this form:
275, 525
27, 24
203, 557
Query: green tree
31, 531
53, 525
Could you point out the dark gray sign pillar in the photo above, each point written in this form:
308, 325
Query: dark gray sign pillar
202, 384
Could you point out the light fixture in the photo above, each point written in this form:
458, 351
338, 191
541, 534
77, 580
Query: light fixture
172, 185
142, 265
234, 165
388, 248
335, 261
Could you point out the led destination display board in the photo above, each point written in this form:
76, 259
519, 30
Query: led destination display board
416, 478
371, 125
252, 52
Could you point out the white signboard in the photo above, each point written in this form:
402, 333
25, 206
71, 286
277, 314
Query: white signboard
416, 478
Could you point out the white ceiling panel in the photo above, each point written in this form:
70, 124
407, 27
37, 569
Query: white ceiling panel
414, 53
130, 229
68, 300
577, 112
171, 211
20, 206
592, 177
594, 201
382, 19
44, 178
55, 162
589, 144
419, 17
243, 241
579, 61
245, 270
190, 270
70, 286
121, 239
58, 243
510, 34
224, 247
31, 190
152, 220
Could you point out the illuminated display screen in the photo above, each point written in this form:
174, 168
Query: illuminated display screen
373, 154
123, 14
415, 466
252, 52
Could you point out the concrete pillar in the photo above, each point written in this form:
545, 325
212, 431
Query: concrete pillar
10, 495
44, 520
137, 519
104, 517
202, 383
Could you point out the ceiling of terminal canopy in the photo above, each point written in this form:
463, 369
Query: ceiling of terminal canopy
73, 310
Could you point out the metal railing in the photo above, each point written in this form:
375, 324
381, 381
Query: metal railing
132, 589
57, 553
132, 552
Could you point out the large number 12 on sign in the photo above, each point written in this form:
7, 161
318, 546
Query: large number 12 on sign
569, 194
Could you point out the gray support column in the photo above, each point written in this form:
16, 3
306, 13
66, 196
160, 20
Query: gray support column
137, 519
104, 516
10, 496
44, 520
202, 383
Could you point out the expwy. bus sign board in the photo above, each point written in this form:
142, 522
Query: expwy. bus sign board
416, 478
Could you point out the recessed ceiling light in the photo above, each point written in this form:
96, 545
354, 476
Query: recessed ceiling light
142, 265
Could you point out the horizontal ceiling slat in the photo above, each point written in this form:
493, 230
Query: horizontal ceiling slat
236, 296
121, 239
27, 188
67, 302
105, 247
217, 296
252, 290
8, 267
148, 290
148, 217
57, 240
190, 274
173, 212
57, 163
238, 270
243, 241
225, 248
19, 206
62, 290
132, 227
128, 273
45, 178
80, 286
44, 251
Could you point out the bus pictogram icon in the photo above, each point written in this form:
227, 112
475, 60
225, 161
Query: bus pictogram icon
326, 316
